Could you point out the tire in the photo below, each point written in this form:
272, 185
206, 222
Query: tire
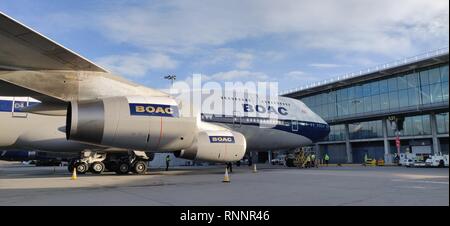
441, 164
82, 167
97, 167
123, 168
140, 167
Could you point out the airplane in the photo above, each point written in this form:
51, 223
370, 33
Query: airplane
54, 100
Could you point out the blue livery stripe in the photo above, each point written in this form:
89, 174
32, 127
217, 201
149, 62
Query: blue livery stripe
153, 110
6, 105
312, 130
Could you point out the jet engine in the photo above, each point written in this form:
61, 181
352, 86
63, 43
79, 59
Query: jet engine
215, 146
139, 123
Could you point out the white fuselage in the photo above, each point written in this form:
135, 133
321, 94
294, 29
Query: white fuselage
266, 124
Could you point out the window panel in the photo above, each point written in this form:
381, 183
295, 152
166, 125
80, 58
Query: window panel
351, 92
445, 91
393, 100
442, 123
324, 110
417, 125
332, 97
434, 76
367, 104
423, 76
413, 96
374, 88
358, 91
352, 107
412, 80
403, 98
408, 127
444, 73
425, 95
402, 82
392, 84
343, 94
367, 90
436, 93
359, 105
343, 108
384, 101
332, 110
383, 86
375, 103
426, 124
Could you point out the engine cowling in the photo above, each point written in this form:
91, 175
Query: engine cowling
215, 146
139, 123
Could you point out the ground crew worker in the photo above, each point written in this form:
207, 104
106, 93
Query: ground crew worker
326, 158
365, 159
308, 161
167, 162
313, 160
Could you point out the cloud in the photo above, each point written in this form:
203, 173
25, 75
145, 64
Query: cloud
244, 60
136, 65
301, 76
227, 56
325, 65
349, 25
238, 75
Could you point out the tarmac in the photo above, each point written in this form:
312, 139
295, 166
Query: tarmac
270, 185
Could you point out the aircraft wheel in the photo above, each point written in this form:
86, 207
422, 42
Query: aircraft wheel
123, 168
97, 167
82, 167
140, 167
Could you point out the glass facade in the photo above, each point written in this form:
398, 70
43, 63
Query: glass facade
337, 133
414, 126
422, 92
364, 130
442, 123
422, 87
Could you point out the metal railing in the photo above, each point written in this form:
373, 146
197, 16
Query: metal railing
377, 68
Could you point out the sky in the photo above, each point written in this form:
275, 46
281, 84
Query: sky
292, 42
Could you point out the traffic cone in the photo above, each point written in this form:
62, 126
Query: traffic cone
74, 174
254, 168
226, 178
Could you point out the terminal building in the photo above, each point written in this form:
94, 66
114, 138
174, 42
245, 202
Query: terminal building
359, 108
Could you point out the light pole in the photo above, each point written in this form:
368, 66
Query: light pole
171, 78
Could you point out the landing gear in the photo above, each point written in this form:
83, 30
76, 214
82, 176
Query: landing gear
81, 167
97, 167
123, 168
120, 162
140, 167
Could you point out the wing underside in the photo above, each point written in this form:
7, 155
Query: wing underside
22, 48
34, 65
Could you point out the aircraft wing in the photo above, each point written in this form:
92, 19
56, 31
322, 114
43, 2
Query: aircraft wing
25, 49
34, 65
